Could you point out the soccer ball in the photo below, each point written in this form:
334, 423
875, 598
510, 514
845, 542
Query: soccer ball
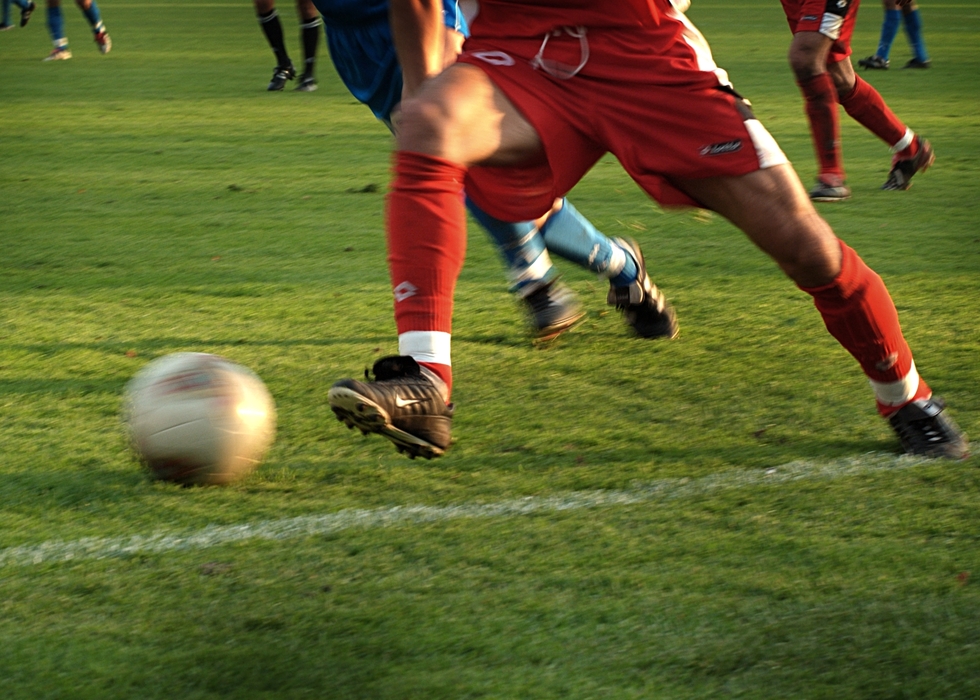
196, 418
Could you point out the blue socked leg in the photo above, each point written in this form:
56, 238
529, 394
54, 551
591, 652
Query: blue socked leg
889, 28
56, 26
913, 28
521, 246
569, 234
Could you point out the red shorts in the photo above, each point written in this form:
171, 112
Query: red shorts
833, 18
660, 112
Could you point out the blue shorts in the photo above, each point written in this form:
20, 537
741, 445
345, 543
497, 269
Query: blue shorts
364, 53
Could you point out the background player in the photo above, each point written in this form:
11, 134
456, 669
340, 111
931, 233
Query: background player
309, 23
361, 45
56, 27
26, 10
896, 13
820, 58
537, 102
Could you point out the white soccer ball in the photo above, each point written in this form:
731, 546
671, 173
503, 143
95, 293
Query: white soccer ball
196, 418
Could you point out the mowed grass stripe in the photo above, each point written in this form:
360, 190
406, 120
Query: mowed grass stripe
289, 528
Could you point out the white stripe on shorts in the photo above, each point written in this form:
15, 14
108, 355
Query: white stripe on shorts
766, 148
702, 52
830, 25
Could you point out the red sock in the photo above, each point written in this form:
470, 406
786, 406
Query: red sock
426, 247
867, 108
821, 109
444, 372
860, 314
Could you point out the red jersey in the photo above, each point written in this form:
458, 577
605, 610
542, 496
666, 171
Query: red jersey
535, 18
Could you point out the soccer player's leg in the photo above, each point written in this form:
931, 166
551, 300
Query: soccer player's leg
90, 9
551, 305
5, 23
913, 29
27, 8
808, 59
309, 27
910, 153
268, 17
889, 28
459, 118
771, 207
569, 234
865, 105
56, 28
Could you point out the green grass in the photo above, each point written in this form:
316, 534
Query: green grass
158, 200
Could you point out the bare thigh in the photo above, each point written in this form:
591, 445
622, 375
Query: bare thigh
774, 211
461, 116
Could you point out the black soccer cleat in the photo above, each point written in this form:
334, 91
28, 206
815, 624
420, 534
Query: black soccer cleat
900, 177
916, 63
25, 14
644, 306
307, 83
553, 310
825, 192
924, 430
405, 403
280, 76
874, 63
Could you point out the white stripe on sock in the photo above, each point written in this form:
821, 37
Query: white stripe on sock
905, 142
897, 393
537, 270
426, 346
616, 263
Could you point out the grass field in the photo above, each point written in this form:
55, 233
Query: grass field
723, 515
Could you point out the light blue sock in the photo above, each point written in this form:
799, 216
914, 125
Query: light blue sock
913, 28
889, 28
94, 17
569, 234
56, 27
522, 247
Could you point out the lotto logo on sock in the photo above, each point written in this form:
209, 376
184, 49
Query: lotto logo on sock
405, 290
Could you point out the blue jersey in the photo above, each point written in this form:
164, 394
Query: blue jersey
363, 50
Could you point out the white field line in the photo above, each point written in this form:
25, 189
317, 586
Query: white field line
306, 525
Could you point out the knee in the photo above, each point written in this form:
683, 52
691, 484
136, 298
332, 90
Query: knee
423, 126
815, 257
843, 76
806, 61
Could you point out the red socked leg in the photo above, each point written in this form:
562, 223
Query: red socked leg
426, 247
820, 98
860, 314
865, 106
